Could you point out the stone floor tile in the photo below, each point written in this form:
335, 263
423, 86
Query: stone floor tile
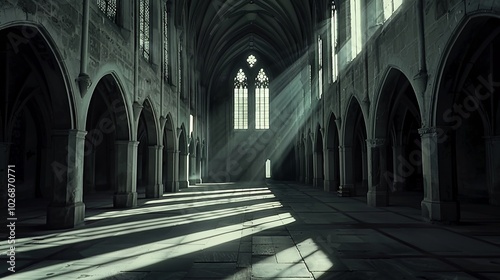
276, 271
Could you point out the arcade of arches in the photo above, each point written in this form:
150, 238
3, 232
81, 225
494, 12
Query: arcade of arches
392, 103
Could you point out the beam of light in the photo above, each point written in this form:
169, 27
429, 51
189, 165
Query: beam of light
212, 237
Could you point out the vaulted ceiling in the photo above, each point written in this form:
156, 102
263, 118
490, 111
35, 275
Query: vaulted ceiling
278, 32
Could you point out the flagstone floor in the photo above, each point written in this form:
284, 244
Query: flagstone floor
272, 230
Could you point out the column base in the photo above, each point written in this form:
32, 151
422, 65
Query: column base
155, 191
197, 181
345, 190
440, 211
65, 216
125, 200
377, 198
183, 184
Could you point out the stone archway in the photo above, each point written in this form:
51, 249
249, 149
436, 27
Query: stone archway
353, 173
38, 102
332, 156
461, 146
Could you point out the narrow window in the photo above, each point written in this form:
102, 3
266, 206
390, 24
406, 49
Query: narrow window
355, 27
320, 67
144, 21
108, 7
334, 38
165, 43
268, 168
261, 101
240, 101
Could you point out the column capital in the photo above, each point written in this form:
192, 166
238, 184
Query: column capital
434, 130
375, 142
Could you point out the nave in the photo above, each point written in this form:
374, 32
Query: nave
260, 230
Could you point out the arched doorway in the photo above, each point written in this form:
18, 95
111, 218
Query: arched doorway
38, 130
332, 156
395, 166
464, 134
148, 154
353, 174
318, 159
170, 157
110, 157
309, 161
183, 159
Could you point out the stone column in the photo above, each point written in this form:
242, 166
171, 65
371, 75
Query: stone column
125, 174
346, 187
377, 195
66, 210
154, 188
440, 203
4, 158
183, 172
493, 169
399, 180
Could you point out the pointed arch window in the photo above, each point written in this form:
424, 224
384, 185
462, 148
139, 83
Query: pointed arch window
240, 101
144, 22
334, 39
165, 43
251, 97
261, 100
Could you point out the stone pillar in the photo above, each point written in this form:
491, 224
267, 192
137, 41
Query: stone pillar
364, 167
4, 158
154, 187
399, 180
440, 203
346, 187
377, 195
66, 210
171, 184
493, 169
183, 172
125, 174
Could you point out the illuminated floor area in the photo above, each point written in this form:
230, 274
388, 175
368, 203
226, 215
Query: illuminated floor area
257, 231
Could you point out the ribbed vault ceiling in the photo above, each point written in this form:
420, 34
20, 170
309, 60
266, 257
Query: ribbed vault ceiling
276, 31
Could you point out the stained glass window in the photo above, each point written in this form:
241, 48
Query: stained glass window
108, 7
240, 101
144, 21
261, 100
251, 60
